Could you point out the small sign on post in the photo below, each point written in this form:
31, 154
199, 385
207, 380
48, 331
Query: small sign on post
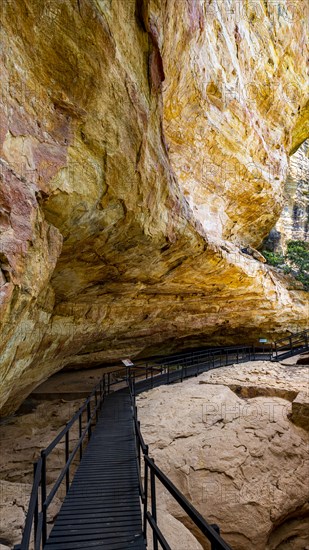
127, 363
263, 341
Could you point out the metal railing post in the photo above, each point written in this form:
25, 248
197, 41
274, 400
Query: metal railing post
96, 405
291, 343
103, 393
100, 393
67, 453
43, 498
153, 506
88, 419
146, 494
138, 445
80, 431
216, 528
36, 511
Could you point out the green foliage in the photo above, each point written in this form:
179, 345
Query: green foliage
304, 278
295, 261
298, 256
287, 269
273, 258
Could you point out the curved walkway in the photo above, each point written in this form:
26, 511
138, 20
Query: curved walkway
102, 508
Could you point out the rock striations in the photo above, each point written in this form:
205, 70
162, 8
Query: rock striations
143, 143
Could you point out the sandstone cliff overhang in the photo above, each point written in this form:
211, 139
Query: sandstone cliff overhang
143, 143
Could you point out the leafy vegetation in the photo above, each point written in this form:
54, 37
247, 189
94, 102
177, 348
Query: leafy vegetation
295, 261
273, 258
298, 257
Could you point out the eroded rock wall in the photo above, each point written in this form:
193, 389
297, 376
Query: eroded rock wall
293, 223
142, 142
235, 77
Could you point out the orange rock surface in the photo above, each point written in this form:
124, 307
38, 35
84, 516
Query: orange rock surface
143, 143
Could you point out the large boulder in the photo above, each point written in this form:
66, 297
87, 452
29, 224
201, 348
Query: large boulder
239, 460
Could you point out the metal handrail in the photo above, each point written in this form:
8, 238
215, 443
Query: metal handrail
291, 343
208, 353
188, 353
189, 365
195, 366
206, 528
33, 506
36, 519
183, 356
224, 356
211, 532
69, 461
296, 334
68, 426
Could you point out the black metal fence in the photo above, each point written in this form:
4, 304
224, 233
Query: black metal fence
35, 530
139, 378
192, 364
290, 345
148, 494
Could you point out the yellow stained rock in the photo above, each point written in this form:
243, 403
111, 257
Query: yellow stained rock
139, 153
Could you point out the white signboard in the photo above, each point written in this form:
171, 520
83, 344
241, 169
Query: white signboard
127, 362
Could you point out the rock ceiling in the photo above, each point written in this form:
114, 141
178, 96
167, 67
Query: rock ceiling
143, 144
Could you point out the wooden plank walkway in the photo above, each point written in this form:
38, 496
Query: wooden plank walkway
102, 508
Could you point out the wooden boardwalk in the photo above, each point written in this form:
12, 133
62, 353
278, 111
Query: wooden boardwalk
102, 508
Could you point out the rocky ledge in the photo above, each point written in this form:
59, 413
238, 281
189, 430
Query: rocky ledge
227, 441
